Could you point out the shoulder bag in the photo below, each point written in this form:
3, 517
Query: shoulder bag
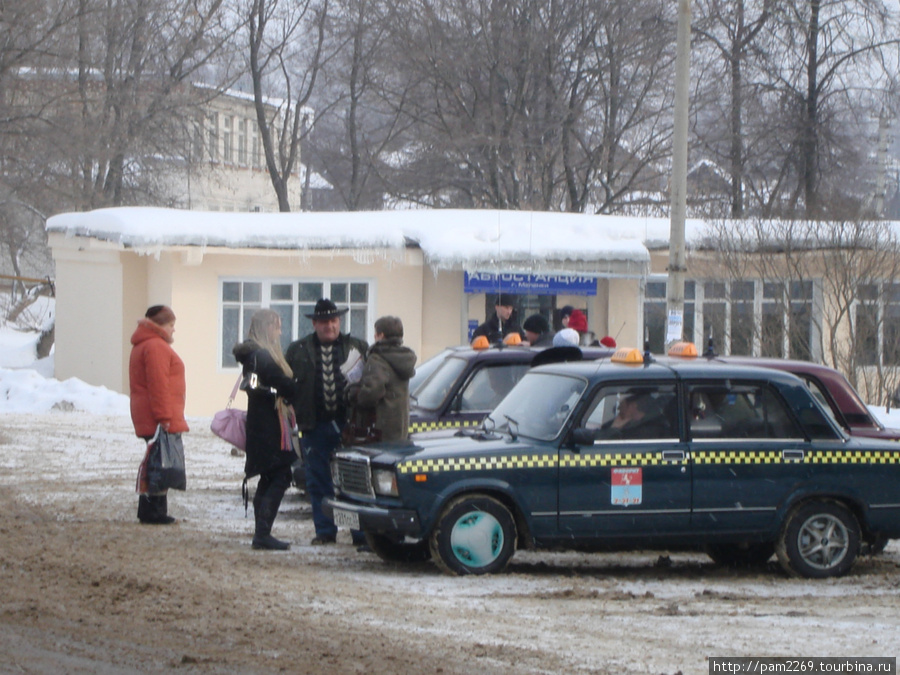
230, 424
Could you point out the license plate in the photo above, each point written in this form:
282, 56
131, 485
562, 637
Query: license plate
346, 519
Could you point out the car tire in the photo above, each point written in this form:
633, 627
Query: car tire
740, 555
818, 540
397, 552
475, 534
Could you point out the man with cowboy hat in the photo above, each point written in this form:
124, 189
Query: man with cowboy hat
316, 361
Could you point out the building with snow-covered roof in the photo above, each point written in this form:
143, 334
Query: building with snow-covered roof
831, 296
437, 270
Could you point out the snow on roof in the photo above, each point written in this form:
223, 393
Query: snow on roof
449, 238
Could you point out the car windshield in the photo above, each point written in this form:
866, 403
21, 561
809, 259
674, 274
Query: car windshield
538, 406
432, 393
424, 371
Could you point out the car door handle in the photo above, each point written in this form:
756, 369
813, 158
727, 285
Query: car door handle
793, 455
674, 455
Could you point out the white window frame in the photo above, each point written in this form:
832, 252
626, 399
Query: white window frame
266, 302
723, 342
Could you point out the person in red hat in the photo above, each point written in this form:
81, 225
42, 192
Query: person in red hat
578, 321
608, 341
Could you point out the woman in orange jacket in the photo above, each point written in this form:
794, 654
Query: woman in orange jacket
156, 376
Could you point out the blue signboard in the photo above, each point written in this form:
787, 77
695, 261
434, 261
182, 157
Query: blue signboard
530, 284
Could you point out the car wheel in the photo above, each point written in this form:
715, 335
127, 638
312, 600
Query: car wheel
397, 551
740, 555
475, 534
818, 540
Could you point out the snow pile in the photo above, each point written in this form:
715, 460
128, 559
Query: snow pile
25, 390
26, 382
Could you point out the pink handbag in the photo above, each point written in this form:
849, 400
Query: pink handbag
231, 424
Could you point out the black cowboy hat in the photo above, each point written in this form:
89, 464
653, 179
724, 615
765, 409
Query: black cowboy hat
326, 309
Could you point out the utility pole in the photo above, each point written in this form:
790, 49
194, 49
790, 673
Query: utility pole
678, 206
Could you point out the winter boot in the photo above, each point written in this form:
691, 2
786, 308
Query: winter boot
145, 509
265, 507
152, 510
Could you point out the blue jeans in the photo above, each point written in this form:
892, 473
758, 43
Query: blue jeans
318, 446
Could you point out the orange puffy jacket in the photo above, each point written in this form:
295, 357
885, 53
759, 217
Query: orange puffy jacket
156, 375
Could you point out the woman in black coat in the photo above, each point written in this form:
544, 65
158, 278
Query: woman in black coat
271, 426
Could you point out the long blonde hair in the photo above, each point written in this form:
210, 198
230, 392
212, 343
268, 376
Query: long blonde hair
261, 326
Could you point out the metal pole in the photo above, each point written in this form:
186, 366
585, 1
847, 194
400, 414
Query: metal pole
677, 263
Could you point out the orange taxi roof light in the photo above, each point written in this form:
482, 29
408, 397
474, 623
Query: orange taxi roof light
512, 340
628, 355
686, 350
480, 342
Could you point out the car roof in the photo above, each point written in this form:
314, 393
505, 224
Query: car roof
663, 368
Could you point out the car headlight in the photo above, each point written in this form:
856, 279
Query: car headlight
384, 482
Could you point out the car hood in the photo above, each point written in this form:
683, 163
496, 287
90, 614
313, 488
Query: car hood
440, 447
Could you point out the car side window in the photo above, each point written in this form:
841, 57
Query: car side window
489, 385
728, 410
636, 411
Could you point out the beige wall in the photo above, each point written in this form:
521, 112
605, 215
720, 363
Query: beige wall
89, 298
103, 289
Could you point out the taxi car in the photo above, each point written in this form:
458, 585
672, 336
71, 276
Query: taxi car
461, 385
627, 453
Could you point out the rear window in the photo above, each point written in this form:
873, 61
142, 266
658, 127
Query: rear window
730, 410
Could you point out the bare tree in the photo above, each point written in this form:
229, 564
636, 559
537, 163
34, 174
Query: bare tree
283, 62
828, 62
731, 28
830, 292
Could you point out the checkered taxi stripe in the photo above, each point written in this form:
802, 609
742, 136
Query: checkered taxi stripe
434, 425
548, 461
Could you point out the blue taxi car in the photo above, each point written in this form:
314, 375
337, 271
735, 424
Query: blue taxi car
631, 453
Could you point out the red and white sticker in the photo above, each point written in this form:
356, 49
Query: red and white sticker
627, 486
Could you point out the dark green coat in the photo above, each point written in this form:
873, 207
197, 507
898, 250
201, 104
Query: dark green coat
384, 387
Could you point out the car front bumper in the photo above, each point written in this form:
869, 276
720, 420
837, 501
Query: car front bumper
399, 522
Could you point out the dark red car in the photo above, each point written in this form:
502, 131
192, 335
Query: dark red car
833, 390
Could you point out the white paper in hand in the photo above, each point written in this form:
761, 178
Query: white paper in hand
352, 368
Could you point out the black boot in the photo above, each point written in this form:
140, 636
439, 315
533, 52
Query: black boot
145, 510
266, 501
152, 510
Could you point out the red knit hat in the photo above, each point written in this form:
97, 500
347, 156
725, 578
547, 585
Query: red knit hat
608, 341
578, 321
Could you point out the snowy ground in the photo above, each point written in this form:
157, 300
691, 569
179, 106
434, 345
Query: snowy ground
88, 590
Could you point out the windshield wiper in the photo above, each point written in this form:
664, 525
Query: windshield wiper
513, 432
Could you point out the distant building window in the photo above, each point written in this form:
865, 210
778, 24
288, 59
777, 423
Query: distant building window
293, 299
242, 142
214, 137
254, 147
228, 139
877, 328
743, 317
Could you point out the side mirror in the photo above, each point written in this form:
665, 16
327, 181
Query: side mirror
582, 436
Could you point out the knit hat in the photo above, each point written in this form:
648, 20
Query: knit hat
567, 337
160, 315
506, 300
536, 324
608, 341
578, 321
